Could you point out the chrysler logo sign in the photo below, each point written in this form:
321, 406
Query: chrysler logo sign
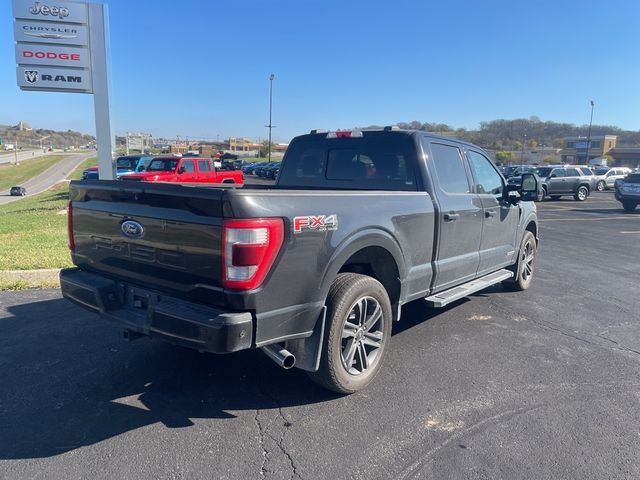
132, 229
45, 10
31, 76
50, 35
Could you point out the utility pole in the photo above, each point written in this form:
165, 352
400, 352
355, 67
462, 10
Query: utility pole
589, 134
15, 150
270, 126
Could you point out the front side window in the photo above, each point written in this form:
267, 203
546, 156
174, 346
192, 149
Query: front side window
449, 166
573, 172
486, 177
558, 173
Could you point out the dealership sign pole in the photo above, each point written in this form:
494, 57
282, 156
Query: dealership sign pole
62, 46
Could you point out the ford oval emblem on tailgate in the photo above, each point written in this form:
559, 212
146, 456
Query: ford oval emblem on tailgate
132, 229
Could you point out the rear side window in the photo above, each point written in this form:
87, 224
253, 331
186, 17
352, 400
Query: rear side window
204, 166
188, 166
449, 166
375, 161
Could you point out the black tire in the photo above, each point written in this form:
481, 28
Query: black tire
525, 266
601, 186
555, 197
344, 303
629, 206
581, 194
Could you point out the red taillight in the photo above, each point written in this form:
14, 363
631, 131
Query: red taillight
72, 243
249, 249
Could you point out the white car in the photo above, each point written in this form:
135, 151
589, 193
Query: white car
614, 174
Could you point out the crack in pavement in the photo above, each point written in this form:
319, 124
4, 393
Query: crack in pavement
283, 424
556, 328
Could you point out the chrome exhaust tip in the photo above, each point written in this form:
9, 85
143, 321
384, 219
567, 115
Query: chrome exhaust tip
281, 356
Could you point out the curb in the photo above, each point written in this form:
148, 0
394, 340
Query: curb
20, 279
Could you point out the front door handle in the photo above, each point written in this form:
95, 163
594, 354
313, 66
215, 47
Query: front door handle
451, 217
489, 213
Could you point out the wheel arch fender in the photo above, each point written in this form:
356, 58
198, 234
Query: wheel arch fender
356, 242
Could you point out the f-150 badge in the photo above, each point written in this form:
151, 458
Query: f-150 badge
318, 223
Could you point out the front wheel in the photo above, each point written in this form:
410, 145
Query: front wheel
582, 194
629, 206
601, 186
523, 269
357, 333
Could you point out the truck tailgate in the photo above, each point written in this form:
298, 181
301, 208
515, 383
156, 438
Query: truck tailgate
162, 236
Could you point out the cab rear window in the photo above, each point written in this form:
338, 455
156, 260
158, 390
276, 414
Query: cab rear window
371, 162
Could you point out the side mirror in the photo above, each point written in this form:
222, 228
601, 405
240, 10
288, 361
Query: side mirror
181, 170
529, 187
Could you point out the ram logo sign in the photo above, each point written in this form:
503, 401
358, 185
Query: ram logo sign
31, 76
318, 223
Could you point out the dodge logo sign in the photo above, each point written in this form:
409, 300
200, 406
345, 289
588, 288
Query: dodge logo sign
132, 229
31, 76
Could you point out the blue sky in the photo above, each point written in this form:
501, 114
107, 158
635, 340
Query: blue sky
201, 68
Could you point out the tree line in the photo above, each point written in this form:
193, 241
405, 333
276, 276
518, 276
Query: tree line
532, 132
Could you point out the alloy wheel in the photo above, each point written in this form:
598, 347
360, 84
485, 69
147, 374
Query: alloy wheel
362, 336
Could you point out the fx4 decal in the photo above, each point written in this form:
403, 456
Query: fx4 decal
318, 223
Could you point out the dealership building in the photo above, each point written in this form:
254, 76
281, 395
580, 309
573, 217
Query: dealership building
575, 148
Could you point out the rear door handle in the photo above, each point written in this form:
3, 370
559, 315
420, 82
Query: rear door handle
451, 217
489, 213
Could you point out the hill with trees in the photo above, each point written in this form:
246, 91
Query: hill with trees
510, 134
44, 137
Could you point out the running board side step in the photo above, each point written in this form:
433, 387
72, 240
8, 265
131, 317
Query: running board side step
443, 299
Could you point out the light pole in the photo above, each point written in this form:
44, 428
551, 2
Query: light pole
524, 140
270, 126
589, 134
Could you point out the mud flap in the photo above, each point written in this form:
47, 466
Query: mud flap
308, 350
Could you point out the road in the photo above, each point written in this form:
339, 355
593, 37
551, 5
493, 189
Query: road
541, 384
49, 177
22, 155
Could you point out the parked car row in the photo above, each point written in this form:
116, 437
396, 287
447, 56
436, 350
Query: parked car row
169, 169
577, 181
263, 169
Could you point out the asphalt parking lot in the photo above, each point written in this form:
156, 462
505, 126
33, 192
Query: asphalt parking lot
541, 384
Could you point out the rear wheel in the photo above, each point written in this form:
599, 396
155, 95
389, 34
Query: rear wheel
357, 333
523, 269
582, 194
600, 186
629, 206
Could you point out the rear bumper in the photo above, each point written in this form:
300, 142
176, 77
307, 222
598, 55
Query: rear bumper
625, 196
152, 313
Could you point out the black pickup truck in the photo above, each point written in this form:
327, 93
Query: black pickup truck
314, 269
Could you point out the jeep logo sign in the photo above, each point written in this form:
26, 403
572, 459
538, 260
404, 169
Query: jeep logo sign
45, 10
50, 10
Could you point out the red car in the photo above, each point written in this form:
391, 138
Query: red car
185, 170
